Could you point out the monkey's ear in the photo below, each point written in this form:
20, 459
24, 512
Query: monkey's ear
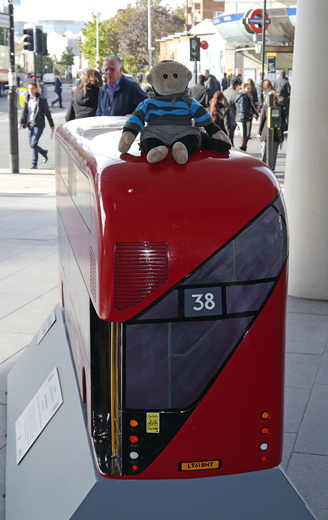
189, 75
149, 79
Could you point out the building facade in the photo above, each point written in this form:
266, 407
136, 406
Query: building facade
233, 46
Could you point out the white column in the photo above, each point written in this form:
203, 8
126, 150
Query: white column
306, 179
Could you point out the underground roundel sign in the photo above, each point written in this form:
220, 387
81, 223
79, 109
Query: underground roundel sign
255, 20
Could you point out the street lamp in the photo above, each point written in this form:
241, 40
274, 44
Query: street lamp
149, 37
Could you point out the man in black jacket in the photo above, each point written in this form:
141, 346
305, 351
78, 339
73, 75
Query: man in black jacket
58, 89
200, 92
34, 111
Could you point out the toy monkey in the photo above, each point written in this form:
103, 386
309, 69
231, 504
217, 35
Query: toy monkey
169, 114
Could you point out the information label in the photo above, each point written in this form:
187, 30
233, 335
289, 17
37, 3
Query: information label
37, 414
152, 423
46, 326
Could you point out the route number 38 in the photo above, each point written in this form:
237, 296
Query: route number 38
203, 300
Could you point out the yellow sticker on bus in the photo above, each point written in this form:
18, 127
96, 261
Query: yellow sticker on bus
152, 423
200, 465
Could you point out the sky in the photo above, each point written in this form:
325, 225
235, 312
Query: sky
69, 10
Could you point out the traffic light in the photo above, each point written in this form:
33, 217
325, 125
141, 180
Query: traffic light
194, 49
44, 44
29, 38
38, 40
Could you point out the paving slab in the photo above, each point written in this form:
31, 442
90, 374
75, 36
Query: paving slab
312, 437
322, 376
289, 443
301, 369
306, 333
304, 306
309, 474
296, 400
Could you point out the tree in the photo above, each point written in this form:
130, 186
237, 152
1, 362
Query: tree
129, 64
67, 58
88, 45
133, 39
47, 64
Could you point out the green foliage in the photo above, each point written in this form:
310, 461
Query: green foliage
129, 64
133, 37
67, 58
88, 44
127, 33
47, 64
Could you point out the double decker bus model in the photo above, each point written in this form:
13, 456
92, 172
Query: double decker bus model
173, 282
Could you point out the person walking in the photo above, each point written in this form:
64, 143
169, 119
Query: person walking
224, 82
222, 115
35, 110
200, 92
212, 83
229, 96
119, 96
84, 102
263, 129
245, 111
282, 87
58, 89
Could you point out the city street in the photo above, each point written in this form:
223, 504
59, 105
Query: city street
58, 115
25, 153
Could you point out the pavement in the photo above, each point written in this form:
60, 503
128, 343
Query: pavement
29, 291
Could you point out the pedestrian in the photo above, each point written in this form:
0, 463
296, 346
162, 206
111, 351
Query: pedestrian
253, 91
212, 83
58, 89
200, 92
266, 87
245, 111
229, 96
222, 115
263, 129
84, 102
119, 96
224, 82
238, 78
282, 87
35, 110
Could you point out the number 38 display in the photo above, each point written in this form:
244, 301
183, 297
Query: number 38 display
205, 303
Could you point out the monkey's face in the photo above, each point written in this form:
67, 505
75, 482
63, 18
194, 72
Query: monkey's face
169, 78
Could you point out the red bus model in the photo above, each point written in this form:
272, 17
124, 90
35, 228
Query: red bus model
174, 281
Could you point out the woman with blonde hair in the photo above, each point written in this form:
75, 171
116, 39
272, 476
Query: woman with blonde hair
222, 115
84, 101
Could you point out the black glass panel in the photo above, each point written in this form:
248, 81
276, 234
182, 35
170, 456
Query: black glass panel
246, 298
169, 365
256, 253
165, 309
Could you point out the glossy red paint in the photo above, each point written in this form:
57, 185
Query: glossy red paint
196, 208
